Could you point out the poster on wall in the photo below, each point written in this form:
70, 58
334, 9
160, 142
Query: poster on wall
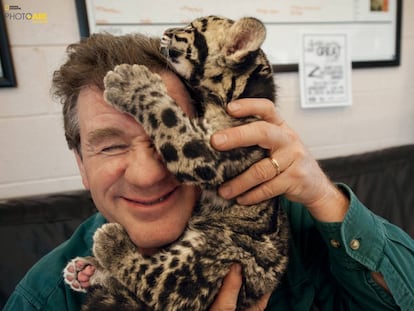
373, 25
325, 70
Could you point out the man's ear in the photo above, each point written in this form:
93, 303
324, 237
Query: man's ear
244, 36
82, 170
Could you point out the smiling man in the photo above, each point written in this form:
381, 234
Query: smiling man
128, 182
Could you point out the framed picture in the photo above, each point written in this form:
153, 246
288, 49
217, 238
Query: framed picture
373, 26
7, 78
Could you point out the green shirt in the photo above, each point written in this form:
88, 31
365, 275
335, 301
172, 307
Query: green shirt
329, 267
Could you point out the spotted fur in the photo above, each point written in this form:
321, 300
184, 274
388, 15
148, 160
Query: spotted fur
220, 60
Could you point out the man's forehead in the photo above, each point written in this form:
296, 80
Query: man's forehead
177, 91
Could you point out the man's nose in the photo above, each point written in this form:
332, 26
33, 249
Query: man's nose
144, 168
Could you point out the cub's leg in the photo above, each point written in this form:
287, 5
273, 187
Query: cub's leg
154, 280
112, 247
183, 143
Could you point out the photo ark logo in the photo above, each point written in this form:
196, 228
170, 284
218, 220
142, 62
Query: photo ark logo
15, 13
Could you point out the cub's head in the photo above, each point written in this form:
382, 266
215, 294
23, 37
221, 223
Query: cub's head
221, 56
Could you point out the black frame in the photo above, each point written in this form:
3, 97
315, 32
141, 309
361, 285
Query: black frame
82, 18
85, 32
8, 78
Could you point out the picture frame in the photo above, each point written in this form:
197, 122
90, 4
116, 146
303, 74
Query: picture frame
7, 76
375, 34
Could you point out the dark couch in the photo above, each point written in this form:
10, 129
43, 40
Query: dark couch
31, 227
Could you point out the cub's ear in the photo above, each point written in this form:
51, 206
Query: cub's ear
244, 36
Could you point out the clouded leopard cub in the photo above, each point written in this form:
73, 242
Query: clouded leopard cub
220, 60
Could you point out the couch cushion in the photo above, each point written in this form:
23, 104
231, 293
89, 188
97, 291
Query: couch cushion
32, 227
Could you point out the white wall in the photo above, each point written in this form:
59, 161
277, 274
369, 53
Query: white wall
34, 158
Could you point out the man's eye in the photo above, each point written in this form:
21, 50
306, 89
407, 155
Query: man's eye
114, 149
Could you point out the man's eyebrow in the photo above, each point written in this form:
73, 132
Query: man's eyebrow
97, 136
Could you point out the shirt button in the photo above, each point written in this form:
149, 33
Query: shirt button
354, 244
335, 243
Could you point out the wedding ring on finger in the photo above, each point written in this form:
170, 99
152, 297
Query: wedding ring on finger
276, 165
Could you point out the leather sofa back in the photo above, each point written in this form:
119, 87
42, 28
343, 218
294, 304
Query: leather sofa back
383, 180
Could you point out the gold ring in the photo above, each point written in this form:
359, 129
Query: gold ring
275, 165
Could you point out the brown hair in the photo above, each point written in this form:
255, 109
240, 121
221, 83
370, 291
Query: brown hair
87, 63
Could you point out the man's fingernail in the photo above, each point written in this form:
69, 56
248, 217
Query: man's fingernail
236, 268
219, 139
225, 192
233, 106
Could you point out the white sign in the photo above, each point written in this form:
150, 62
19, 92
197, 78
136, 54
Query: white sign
325, 70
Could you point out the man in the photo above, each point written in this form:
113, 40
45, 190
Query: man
342, 256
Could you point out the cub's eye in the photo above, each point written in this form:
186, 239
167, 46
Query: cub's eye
114, 149
189, 28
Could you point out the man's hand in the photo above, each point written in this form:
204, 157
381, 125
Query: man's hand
226, 299
293, 172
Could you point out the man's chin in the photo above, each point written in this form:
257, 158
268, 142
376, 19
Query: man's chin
151, 246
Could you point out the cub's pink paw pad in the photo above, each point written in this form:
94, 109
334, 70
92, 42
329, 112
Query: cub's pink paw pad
77, 273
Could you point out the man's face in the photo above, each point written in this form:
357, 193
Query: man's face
128, 182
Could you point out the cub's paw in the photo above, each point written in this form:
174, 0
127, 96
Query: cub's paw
111, 242
130, 88
79, 272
